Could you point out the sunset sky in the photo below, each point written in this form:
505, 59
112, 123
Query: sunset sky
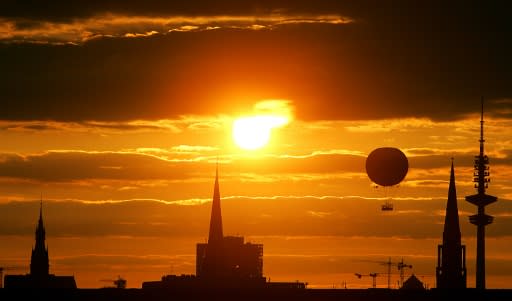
118, 112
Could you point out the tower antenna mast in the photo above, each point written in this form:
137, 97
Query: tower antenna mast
481, 199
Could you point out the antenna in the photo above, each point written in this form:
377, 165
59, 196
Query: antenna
481, 199
482, 128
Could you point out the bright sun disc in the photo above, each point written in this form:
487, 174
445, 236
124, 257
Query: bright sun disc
254, 132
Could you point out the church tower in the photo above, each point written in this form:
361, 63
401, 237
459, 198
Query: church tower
212, 256
39, 276
451, 255
39, 263
216, 235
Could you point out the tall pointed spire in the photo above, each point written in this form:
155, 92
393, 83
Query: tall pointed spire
216, 234
40, 232
40, 224
451, 255
451, 231
39, 263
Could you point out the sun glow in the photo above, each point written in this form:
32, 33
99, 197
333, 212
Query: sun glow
254, 131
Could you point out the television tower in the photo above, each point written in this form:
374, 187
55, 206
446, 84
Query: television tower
481, 199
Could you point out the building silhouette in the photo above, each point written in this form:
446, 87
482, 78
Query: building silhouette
451, 255
39, 262
39, 276
413, 283
225, 262
481, 199
227, 258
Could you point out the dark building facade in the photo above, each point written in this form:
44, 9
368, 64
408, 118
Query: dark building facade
238, 260
451, 255
39, 276
224, 262
227, 257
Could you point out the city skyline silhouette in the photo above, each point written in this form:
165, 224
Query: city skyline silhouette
225, 261
120, 113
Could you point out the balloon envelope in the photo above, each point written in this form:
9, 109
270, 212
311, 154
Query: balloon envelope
387, 166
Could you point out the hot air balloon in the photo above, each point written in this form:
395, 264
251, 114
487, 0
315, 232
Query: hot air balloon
387, 166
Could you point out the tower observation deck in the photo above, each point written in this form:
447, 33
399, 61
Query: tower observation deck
481, 199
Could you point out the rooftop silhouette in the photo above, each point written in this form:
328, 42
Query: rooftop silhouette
224, 261
40, 276
451, 254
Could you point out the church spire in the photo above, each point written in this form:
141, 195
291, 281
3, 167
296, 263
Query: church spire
39, 265
216, 234
451, 255
40, 232
451, 233
40, 224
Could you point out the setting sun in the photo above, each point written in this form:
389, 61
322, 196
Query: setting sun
253, 132
152, 150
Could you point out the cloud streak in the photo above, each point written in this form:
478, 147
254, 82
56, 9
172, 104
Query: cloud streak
250, 215
321, 55
68, 165
79, 31
186, 172
173, 126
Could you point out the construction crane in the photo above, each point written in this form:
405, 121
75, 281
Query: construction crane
118, 283
401, 266
373, 275
6, 268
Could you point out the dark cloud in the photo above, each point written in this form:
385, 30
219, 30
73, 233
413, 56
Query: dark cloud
137, 218
65, 11
261, 216
397, 60
69, 166
66, 166
134, 126
73, 165
32, 127
461, 159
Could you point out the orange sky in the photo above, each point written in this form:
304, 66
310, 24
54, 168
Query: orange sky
117, 114
134, 202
